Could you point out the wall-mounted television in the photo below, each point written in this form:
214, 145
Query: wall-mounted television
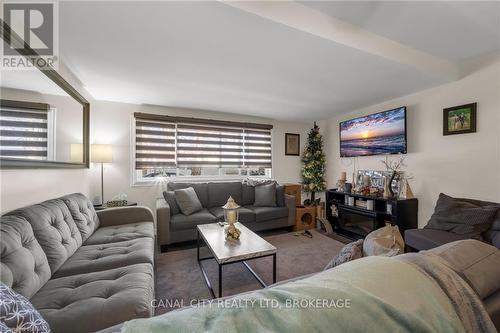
376, 134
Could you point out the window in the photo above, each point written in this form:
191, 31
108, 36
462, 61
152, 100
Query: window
185, 147
26, 130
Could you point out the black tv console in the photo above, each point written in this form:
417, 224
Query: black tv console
355, 221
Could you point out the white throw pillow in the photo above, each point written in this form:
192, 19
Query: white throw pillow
386, 241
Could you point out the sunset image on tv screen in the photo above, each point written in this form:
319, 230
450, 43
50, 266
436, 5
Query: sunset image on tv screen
376, 134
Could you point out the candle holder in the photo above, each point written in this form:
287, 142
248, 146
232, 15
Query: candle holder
231, 215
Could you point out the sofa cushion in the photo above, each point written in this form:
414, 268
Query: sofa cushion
265, 195
201, 190
121, 232
94, 301
461, 217
101, 257
54, 228
476, 262
18, 314
268, 213
170, 199
425, 239
83, 213
248, 195
245, 215
24, 266
219, 192
183, 222
187, 200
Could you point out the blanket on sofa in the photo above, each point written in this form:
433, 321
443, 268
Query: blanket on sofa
372, 294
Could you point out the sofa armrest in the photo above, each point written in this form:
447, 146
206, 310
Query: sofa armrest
163, 221
124, 215
290, 204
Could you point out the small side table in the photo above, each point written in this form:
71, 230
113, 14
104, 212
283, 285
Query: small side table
101, 207
305, 218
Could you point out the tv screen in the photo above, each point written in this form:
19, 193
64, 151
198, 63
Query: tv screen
376, 134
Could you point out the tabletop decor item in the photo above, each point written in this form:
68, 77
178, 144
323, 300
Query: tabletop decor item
394, 167
231, 215
460, 119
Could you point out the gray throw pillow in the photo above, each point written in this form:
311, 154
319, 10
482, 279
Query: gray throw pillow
461, 217
280, 195
265, 195
170, 199
18, 314
188, 201
349, 252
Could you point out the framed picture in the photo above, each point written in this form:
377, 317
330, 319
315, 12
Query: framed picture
460, 119
292, 144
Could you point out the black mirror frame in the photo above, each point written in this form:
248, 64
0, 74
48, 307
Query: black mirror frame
12, 163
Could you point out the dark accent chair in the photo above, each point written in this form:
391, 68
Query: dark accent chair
425, 239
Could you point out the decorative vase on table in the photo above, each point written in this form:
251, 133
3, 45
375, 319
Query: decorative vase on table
231, 215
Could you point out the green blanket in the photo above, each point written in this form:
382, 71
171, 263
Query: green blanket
373, 294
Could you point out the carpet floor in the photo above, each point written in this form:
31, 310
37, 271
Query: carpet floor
180, 281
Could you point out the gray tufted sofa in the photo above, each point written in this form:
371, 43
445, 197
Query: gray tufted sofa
82, 270
173, 228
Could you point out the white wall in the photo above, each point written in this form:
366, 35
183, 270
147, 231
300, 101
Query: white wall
19, 188
111, 123
466, 165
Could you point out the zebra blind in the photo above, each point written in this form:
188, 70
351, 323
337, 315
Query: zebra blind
23, 130
163, 141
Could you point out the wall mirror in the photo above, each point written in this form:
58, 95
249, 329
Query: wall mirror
42, 117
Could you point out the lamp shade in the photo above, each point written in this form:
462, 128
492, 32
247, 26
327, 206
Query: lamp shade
101, 153
76, 153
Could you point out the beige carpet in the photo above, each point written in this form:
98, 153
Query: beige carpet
180, 281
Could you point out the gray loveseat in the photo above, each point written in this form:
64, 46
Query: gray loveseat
82, 270
174, 228
425, 239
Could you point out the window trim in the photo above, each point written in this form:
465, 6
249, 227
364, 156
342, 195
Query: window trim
134, 182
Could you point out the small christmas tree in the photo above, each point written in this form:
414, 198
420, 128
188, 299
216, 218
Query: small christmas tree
313, 169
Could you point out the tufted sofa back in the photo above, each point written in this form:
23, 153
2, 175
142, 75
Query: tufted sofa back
83, 214
54, 228
38, 239
24, 265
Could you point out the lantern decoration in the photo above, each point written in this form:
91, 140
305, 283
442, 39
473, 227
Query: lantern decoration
231, 215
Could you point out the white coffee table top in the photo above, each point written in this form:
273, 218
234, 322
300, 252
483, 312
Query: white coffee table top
250, 245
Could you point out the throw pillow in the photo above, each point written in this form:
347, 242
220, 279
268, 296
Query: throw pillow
18, 314
265, 195
4, 328
386, 241
280, 196
461, 217
349, 252
170, 199
188, 201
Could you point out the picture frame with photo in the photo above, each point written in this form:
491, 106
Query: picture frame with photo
292, 144
460, 119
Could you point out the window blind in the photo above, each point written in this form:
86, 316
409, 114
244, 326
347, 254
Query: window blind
163, 141
155, 144
23, 130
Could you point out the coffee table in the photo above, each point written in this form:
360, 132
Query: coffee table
249, 246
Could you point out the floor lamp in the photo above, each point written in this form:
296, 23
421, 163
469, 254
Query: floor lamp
100, 153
